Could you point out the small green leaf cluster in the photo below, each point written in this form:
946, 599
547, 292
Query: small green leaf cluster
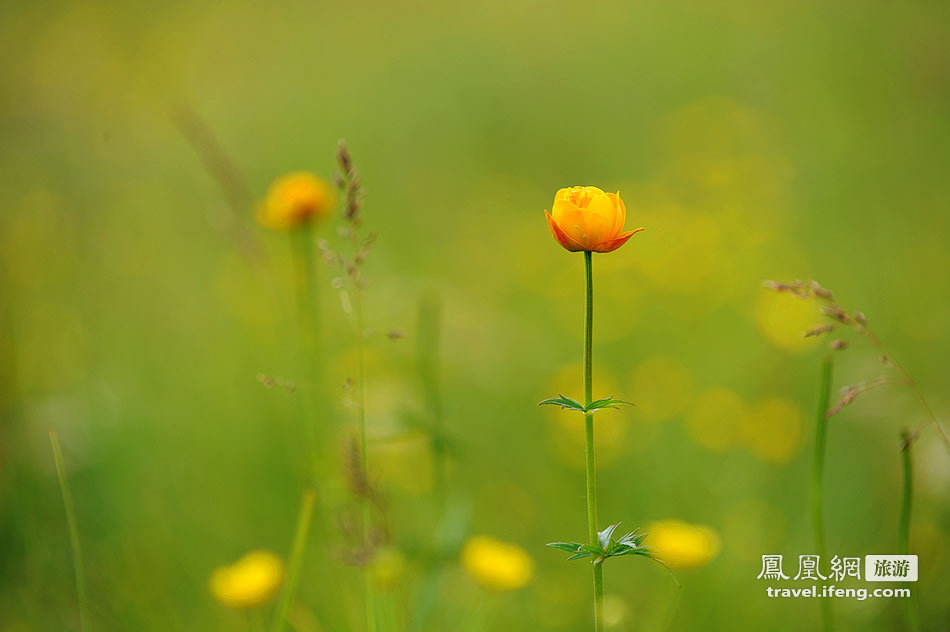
607, 546
573, 404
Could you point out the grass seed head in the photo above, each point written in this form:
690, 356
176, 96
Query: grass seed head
795, 287
819, 291
817, 331
837, 313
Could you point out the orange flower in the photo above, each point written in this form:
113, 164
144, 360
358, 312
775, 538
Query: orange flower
294, 199
586, 218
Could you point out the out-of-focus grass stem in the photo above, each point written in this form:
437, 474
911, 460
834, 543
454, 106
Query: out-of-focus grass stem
589, 445
348, 182
73, 531
295, 561
309, 328
359, 318
818, 477
903, 534
430, 326
224, 172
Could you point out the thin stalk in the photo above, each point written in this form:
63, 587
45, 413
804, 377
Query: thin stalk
913, 385
818, 475
361, 419
309, 364
73, 531
295, 561
224, 172
907, 497
308, 328
304, 273
903, 538
429, 333
589, 447
361, 365
930, 412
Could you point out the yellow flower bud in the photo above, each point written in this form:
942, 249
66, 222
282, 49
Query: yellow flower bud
586, 218
496, 564
251, 581
295, 199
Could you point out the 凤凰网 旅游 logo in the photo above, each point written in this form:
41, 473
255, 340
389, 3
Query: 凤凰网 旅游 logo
877, 568
890, 568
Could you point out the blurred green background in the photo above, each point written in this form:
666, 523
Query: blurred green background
753, 140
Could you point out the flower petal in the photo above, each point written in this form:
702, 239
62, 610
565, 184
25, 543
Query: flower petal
612, 244
580, 196
606, 207
592, 191
563, 194
583, 226
560, 236
621, 210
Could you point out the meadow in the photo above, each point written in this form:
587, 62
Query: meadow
206, 372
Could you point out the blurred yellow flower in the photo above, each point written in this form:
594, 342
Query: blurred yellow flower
496, 564
773, 429
682, 545
251, 581
586, 218
783, 318
295, 199
716, 418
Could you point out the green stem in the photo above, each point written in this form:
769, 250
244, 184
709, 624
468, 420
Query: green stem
361, 418
308, 327
430, 322
589, 448
304, 271
903, 543
73, 531
818, 475
295, 561
907, 499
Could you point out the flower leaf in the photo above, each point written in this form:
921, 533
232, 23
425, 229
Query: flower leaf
578, 550
634, 538
570, 547
563, 402
607, 402
604, 536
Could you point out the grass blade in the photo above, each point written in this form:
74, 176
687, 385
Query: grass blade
73, 531
911, 616
295, 561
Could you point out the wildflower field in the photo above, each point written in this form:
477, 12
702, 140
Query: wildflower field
255, 377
